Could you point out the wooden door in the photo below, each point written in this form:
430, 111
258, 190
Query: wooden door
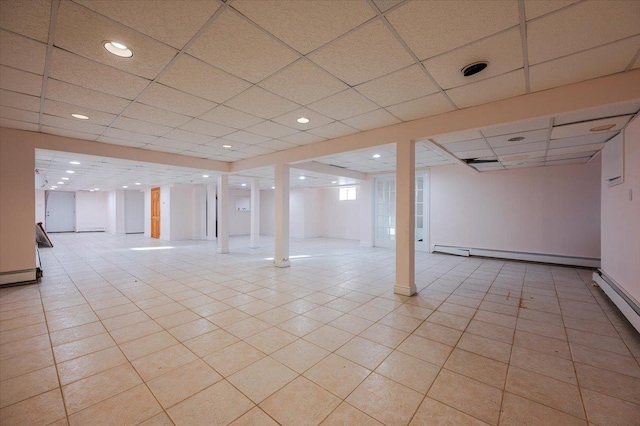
155, 212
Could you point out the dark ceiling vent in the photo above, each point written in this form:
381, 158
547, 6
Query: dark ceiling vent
474, 68
478, 161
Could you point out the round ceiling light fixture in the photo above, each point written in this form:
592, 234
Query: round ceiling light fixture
117, 49
125, 186
302, 177
516, 139
474, 68
303, 120
70, 172
205, 176
227, 146
602, 128
80, 117
74, 162
376, 156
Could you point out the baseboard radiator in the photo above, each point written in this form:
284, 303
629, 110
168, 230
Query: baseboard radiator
518, 255
629, 307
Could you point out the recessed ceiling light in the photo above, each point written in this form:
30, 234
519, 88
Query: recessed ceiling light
474, 68
60, 183
302, 177
118, 49
516, 139
376, 155
65, 178
137, 183
125, 186
53, 187
70, 172
227, 146
273, 187
244, 184
97, 189
303, 120
205, 176
91, 190
80, 117
74, 162
334, 181
602, 128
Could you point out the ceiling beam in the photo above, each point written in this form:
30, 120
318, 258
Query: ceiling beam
327, 169
617, 88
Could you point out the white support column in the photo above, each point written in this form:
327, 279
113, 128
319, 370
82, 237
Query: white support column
255, 213
281, 256
211, 212
223, 213
405, 217
365, 194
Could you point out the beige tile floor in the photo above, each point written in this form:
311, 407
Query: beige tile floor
185, 336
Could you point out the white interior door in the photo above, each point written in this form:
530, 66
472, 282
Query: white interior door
422, 212
61, 211
133, 212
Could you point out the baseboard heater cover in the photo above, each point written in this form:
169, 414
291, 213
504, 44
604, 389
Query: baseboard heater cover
627, 305
97, 229
517, 255
18, 277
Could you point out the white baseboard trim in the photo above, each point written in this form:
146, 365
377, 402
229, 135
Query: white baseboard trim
17, 277
516, 255
96, 229
627, 305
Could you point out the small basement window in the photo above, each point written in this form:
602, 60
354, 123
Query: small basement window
347, 194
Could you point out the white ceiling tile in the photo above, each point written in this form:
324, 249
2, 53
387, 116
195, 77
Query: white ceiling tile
581, 140
238, 47
246, 137
123, 142
200, 79
207, 128
385, 5
156, 115
271, 129
129, 135
76, 95
30, 19
230, 117
367, 53
20, 81
344, 105
82, 31
210, 150
315, 119
535, 8
529, 137
502, 51
371, 120
625, 108
579, 27
570, 156
583, 128
261, 103
277, 145
574, 149
22, 53
468, 145
19, 100
303, 82
172, 143
306, 25
163, 148
302, 138
458, 137
572, 161
423, 107
185, 136
65, 110
598, 62
489, 90
430, 28
161, 96
400, 86
83, 72
256, 150
68, 133
19, 114
71, 124
235, 145
518, 127
126, 123
333, 130
481, 153
150, 17
525, 147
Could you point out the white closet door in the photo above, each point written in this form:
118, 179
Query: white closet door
61, 211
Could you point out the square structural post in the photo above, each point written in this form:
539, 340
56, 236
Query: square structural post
223, 213
405, 218
255, 213
281, 198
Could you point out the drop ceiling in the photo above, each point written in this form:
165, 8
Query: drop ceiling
239, 73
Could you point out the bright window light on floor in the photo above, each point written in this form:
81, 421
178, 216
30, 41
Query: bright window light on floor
347, 194
152, 248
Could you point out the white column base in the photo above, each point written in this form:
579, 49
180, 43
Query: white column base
405, 291
282, 263
223, 250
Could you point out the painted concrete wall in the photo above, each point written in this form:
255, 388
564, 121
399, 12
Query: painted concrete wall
91, 211
342, 219
621, 219
239, 221
550, 210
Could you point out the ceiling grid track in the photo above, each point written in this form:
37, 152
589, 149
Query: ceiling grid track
523, 37
45, 77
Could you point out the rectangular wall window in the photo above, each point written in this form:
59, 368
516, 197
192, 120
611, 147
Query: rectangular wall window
347, 194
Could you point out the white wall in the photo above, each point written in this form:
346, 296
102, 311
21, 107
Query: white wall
342, 219
267, 212
239, 222
296, 212
147, 212
548, 210
40, 206
621, 219
115, 211
91, 211
134, 212
165, 212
